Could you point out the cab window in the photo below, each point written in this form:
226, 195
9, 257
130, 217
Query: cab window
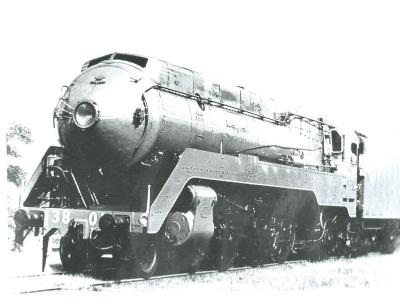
337, 142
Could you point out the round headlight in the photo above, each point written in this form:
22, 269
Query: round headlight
85, 114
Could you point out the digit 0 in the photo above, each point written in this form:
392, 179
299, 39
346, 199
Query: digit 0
92, 218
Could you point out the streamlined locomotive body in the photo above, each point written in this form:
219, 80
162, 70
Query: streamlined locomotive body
161, 167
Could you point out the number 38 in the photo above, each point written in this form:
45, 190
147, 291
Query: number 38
65, 217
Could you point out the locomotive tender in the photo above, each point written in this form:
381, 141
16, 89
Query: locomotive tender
161, 167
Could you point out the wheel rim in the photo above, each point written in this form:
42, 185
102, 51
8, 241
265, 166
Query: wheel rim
148, 258
66, 252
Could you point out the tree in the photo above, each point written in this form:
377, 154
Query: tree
16, 133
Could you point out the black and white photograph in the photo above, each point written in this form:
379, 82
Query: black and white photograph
201, 148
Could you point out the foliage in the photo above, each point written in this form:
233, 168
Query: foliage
16, 133
20, 132
15, 175
11, 151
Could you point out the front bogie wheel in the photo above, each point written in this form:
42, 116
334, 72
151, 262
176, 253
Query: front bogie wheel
146, 256
73, 254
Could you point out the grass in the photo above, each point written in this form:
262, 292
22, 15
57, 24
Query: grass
374, 271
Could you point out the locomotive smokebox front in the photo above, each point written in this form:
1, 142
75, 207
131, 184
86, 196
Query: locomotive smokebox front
102, 115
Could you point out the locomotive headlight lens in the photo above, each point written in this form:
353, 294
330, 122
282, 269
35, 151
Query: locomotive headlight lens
36, 218
85, 114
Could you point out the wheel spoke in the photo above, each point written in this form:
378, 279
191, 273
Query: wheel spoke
277, 239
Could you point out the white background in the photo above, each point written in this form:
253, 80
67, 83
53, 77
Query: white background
335, 59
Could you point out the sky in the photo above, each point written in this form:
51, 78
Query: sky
333, 59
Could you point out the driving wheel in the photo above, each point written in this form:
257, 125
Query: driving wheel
280, 240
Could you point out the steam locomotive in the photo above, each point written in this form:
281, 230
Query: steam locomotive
160, 167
